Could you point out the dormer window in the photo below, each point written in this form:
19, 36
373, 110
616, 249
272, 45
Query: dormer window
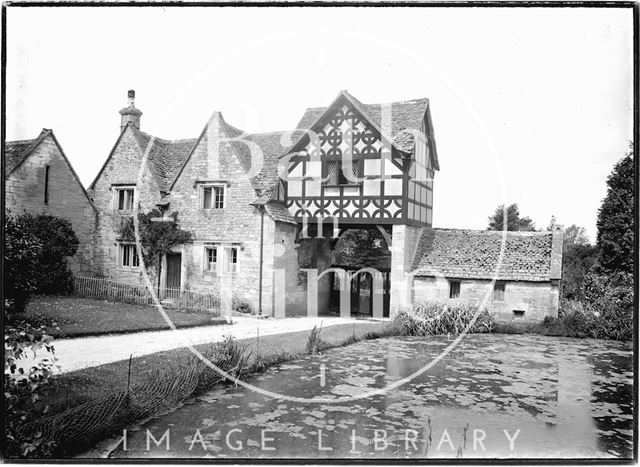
212, 196
123, 198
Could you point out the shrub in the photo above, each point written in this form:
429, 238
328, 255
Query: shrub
228, 355
23, 389
578, 320
434, 317
36, 251
241, 305
22, 251
610, 316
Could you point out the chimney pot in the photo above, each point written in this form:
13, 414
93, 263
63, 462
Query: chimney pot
130, 114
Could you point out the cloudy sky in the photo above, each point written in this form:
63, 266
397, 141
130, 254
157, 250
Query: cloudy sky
532, 106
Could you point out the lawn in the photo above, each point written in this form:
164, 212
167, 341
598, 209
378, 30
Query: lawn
74, 317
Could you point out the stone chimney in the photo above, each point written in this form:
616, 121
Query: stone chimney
556, 252
130, 113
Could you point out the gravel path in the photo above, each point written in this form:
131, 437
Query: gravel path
77, 353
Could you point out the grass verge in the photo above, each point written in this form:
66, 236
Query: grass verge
67, 317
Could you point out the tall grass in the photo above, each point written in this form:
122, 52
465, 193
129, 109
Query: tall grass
439, 317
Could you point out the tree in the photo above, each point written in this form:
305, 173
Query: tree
574, 235
578, 258
615, 220
514, 221
362, 248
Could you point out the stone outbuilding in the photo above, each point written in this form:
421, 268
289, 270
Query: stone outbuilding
516, 275
39, 179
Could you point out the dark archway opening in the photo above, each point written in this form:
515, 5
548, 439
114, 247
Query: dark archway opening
358, 251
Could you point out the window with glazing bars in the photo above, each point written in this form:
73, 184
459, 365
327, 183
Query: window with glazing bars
336, 173
213, 197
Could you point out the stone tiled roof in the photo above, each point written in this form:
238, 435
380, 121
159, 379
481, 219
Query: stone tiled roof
273, 146
279, 212
405, 115
165, 157
16, 151
474, 254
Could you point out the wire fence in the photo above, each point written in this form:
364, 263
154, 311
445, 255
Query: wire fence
106, 289
81, 427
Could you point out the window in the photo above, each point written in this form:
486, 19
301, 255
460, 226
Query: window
211, 259
213, 197
278, 194
498, 291
227, 256
129, 255
336, 173
518, 314
46, 184
232, 259
123, 199
454, 289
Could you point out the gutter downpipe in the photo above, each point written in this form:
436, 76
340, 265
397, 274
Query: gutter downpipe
261, 261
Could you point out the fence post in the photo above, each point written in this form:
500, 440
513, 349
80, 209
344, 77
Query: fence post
129, 373
257, 343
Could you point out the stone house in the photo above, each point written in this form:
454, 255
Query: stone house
467, 265
241, 228
39, 179
266, 211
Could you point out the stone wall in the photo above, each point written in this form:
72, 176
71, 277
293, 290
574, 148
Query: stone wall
238, 223
25, 192
121, 168
316, 255
287, 290
404, 242
537, 299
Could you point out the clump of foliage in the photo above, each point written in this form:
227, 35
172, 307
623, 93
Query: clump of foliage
24, 389
22, 250
362, 248
241, 304
314, 343
438, 317
35, 257
228, 355
514, 220
615, 220
156, 237
35, 253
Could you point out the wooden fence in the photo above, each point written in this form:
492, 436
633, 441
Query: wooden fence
106, 289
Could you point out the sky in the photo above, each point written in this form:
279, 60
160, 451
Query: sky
529, 105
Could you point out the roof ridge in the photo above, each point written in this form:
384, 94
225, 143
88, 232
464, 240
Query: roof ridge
21, 141
487, 231
164, 140
33, 144
268, 132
